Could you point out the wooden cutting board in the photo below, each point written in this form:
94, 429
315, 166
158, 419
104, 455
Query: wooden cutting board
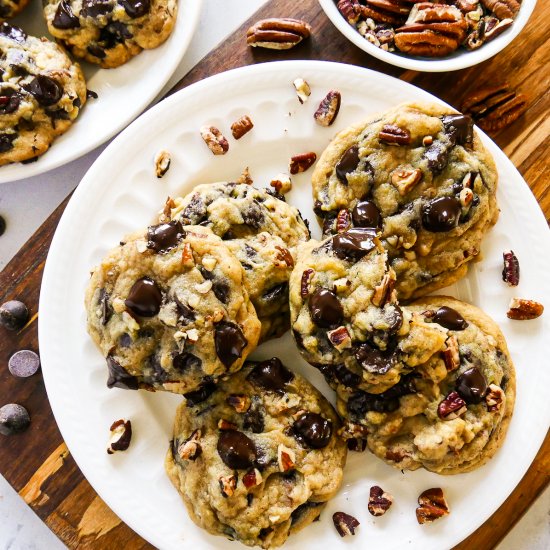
37, 462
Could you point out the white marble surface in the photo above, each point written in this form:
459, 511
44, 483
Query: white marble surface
26, 204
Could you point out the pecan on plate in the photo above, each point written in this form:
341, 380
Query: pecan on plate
432, 30
393, 12
241, 126
510, 271
379, 501
344, 523
494, 108
432, 506
503, 9
300, 163
215, 140
277, 33
522, 309
328, 109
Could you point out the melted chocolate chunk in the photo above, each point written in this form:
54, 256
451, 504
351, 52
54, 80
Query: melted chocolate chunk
95, 8
125, 340
165, 236
471, 385
347, 164
64, 17
230, 342
394, 316
201, 394
366, 214
159, 375
325, 309
253, 216
9, 100
354, 244
45, 90
185, 314
135, 8
312, 430
195, 212
114, 33
277, 292
437, 156
105, 306
118, 377
375, 360
441, 215
236, 450
220, 287
302, 509
360, 403
185, 361
345, 376
144, 298
253, 419
96, 51
459, 128
270, 375
6, 142
15, 33
449, 318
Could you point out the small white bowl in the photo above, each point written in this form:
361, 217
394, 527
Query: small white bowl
458, 60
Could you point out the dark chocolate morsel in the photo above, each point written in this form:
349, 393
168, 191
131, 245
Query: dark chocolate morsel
95, 8
460, 128
325, 309
345, 376
471, 385
354, 244
236, 449
186, 361
24, 363
105, 306
275, 293
437, 156
220, 287
13, 419
374, 360
366, 214
230, 342
144, 298
45, 90
6, 142
201, 394
449, 318
135, 8
253, 419
13, 315
165, 236
119, 377
15, 33
270, 375
348, 163
441, 215
64, 17
313, 430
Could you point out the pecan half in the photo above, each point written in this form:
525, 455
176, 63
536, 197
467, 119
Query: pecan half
190, 449
304, 283
432, 506
350, 9
162, 163
379, 501
252, 478
522, 309
510, 271
383, 293
228, 484
339, 338
303, 91
503, 9
241, 403
494, 398
241, 126
344, 523
451, 355
343, 220
282, 184
300, 163
215, 140
328, 109
392, 12
277, 33
451, 407
405, 179
121, 435
285, 458
494, 108
394, 135
285, 256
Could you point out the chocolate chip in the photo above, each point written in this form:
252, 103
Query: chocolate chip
366, 214
302, 509
437, 156
24, 363
230, 342
270, 375
165, 236
449, 318
202, 394
2, 225
6, 142
185, 314
96, 51
459, 128
125, 340
220, 287
95, 8
135, 8
64, 17
90, 94
312, 430
15, 33
144, 298
348, 163
186, 361
13, 315
354, 244
253, 419
275, 293
345, 376
13, 419
374, 360
360, 403
325, 309
119, 377
253, 216
9, 100
45, 90
104, 306
195, 212
471, 385
236, 450
441, 215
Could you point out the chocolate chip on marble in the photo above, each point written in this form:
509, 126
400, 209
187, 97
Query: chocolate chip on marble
144, 298
354, 244
471, 385
13, 419
24, 363
442, 214
449, 318
119, 377
348, 163
236, 450
64, 17
135, 8
366, 214
45, 90
313, 430
13, 315
325, 309
230, 342
164, 237
271, 375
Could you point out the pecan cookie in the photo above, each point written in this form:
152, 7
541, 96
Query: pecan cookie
110, 32
451, 414
420, 174
10, 8
261, 230
169, 312
257, 459
41, 94
345, 317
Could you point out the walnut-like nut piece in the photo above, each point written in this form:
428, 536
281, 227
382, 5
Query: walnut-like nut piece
432, 506
300, 163
282, 184
510, 271
344, 523
328, 109
394, 135
451, 407
466, 197
241, 403
379, 501
215, 140
277, 33
191, 449
252, 478
224, 424
405, 179
494, 398
340, 338
451, 355
162, 163
343, 220
522, 309
304, 283
228, 484
350, 9
241, 126
303, 91
285, 256
245, 177
285, 458
503, 9
383, 293
121, 435
187, 259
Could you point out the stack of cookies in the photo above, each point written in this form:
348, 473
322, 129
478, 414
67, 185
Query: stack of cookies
404, 200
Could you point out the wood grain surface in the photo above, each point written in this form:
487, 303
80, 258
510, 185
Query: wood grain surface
38, 464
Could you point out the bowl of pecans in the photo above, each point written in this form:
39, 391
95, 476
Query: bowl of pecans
429, 36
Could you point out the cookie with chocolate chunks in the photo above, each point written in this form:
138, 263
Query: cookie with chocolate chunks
168, 310
265, 439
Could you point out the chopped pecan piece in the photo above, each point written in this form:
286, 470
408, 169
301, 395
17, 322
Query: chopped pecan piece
162, 163
383, 293
241, 403
187, 259
285, 458
451, 407
394, 135
379, 501
344, 523
252, 478
350, 9
226, 425
277, 33
245, 177
432, 506
215, 140
304, 283
167, 210
494, 108
522, 309
503, 9
285, 256
228, 484
451, 355
303, 91
121, 435
510, 271
328, 109
190, 449
282, 184
494, 398
300, 163
241, 126
339, 338
343, 220
404, 179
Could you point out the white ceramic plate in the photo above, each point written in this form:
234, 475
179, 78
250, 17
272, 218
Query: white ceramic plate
123, 92
457, 60
120, 194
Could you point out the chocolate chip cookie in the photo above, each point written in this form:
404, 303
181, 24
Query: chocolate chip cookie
262, 231
169, 311
41, 94
110, 32
420, 175
258, 458
449, 415
345, 317
11, 8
